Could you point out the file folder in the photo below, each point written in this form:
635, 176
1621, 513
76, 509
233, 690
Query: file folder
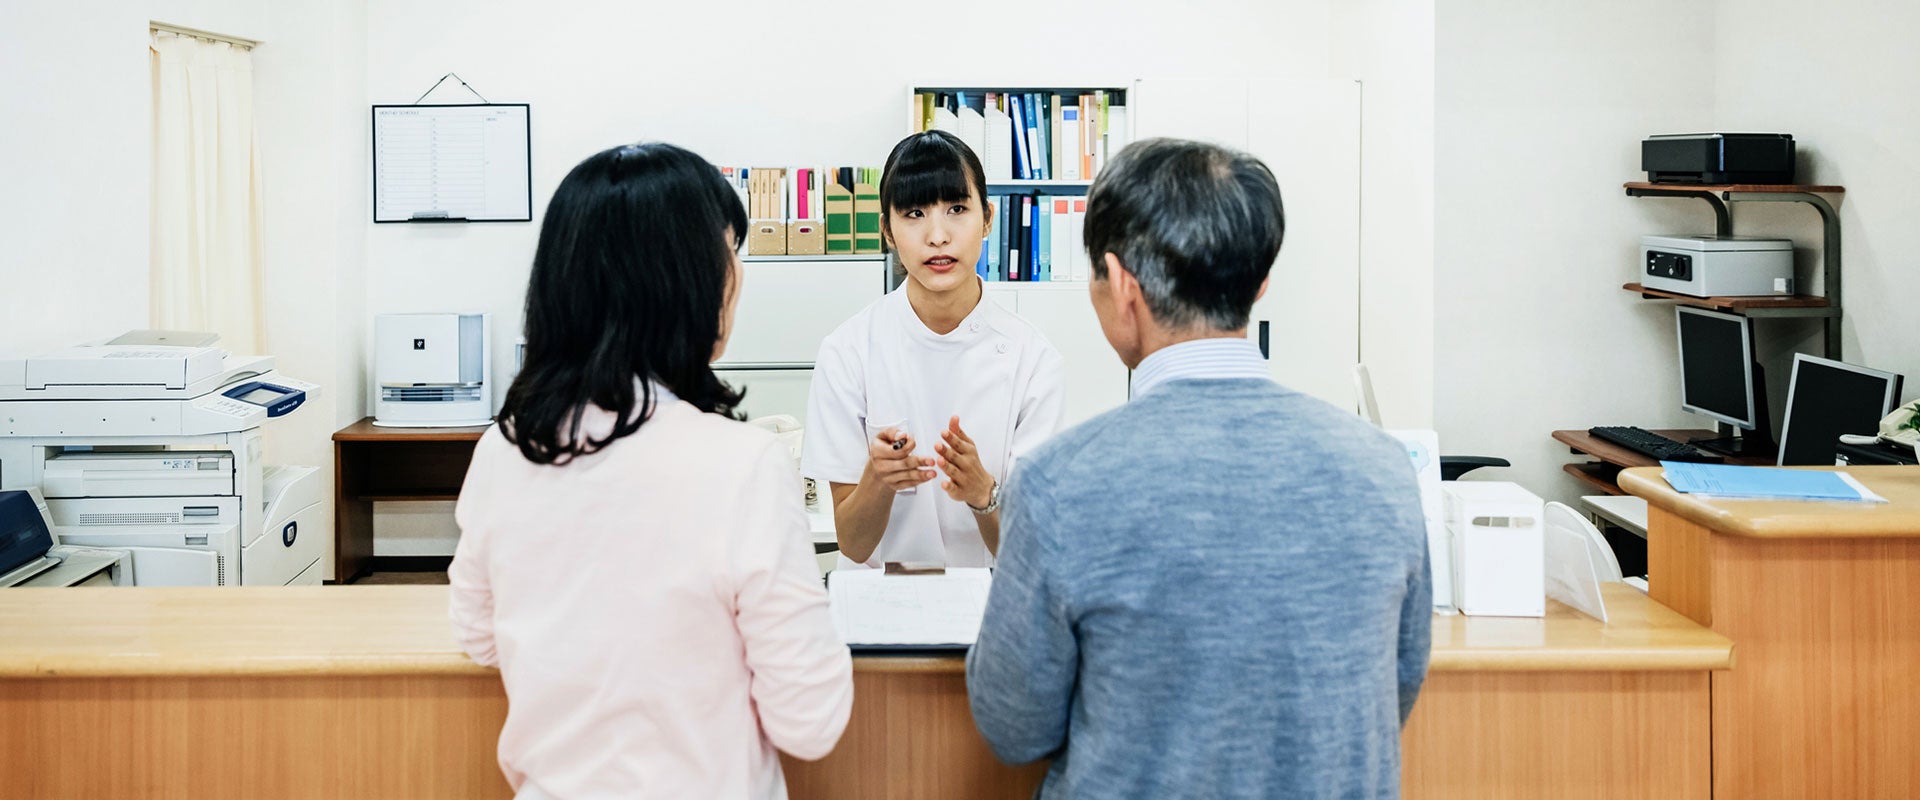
866, 218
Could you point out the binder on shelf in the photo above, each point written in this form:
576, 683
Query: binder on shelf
1016, 236
1036, 150
944, 119
1029, 270
1062, 238
1116, 132
839, 210
989, 266
1069, 156
866, 218
997, 157
1089, 135
1056, 136
1082, 263
1043, 243
1017, 128
973, 131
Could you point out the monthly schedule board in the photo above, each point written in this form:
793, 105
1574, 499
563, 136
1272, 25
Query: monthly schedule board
452, 162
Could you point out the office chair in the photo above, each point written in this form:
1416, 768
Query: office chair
1451, 467
1562, 516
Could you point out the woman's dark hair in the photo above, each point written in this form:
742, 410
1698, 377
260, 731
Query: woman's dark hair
628, 284
927, 168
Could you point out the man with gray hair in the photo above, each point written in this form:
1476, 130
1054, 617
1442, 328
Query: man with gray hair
1219, 589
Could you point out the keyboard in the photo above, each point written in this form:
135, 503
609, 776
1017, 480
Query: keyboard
1652, 445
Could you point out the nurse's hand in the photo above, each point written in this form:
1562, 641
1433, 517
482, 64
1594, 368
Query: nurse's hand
890, 453
967, 479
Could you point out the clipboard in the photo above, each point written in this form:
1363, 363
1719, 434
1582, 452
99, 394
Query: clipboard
469, 162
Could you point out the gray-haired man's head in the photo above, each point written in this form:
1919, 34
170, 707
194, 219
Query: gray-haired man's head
1196, 224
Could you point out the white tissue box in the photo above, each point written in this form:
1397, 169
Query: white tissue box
1499, 548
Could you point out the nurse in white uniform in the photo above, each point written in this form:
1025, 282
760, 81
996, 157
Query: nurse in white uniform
921, 402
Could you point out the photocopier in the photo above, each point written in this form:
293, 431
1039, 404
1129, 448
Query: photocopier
153, 446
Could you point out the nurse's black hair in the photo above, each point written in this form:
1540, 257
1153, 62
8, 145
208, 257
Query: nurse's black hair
628, 283
927, 168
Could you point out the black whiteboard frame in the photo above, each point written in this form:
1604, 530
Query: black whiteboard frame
373, 159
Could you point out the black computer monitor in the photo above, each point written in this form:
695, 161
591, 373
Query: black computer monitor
1828, 398
1716, 366
1719, 378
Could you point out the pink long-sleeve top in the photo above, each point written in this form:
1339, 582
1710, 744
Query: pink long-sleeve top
654, 609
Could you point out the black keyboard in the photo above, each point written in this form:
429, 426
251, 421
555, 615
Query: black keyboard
1652, 445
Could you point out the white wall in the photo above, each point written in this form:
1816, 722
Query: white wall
1389, 46
1846, 83
1539, 111
310, 108
74, 205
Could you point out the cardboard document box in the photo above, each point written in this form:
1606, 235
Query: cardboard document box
839, 219
866, 218
807, 237
766, 237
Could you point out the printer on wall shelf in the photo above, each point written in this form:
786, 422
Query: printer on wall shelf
1718, 158
432, 370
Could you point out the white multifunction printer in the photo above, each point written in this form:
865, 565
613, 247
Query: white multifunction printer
156, 448
1717, 266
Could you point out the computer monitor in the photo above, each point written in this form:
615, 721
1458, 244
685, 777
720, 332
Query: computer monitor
1716, 366
1828, 398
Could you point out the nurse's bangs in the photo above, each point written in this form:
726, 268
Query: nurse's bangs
928, 170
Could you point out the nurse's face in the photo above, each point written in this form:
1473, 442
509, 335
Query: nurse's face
939, 244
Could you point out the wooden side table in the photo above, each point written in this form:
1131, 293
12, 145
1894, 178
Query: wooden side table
377, 464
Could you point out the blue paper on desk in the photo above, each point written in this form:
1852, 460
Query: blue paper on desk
1771, 483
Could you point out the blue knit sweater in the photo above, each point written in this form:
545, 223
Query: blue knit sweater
1219, 589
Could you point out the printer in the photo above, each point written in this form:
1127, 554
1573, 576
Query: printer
1718, 158
156, 449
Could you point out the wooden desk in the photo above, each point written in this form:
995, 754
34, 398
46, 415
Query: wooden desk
1610, 458
375, 464
1823, 600
359, 691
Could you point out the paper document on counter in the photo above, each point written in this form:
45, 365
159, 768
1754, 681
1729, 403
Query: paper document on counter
872, 608
1764, 483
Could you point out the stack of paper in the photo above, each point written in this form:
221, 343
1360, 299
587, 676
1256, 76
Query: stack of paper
1765, 483
874, 609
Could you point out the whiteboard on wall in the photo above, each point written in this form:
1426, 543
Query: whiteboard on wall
452, 163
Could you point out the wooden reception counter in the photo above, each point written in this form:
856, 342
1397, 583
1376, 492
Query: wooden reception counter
359, 691
1823, 600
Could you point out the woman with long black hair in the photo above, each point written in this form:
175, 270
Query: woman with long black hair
632, 557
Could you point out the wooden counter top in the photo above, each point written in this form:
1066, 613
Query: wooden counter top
234, 630
1795, 519
400, 630
1640, 635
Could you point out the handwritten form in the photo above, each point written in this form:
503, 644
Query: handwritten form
871, 607
450, 162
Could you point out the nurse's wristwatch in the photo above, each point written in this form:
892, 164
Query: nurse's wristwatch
993, 501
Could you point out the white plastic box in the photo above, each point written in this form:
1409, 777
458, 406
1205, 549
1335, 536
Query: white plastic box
1499, 548
1717, 266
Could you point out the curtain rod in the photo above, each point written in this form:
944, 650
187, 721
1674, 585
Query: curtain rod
200, 34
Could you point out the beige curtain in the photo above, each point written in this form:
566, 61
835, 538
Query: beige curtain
206, 195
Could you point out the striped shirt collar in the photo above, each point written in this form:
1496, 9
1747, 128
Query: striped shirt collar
1223, 358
